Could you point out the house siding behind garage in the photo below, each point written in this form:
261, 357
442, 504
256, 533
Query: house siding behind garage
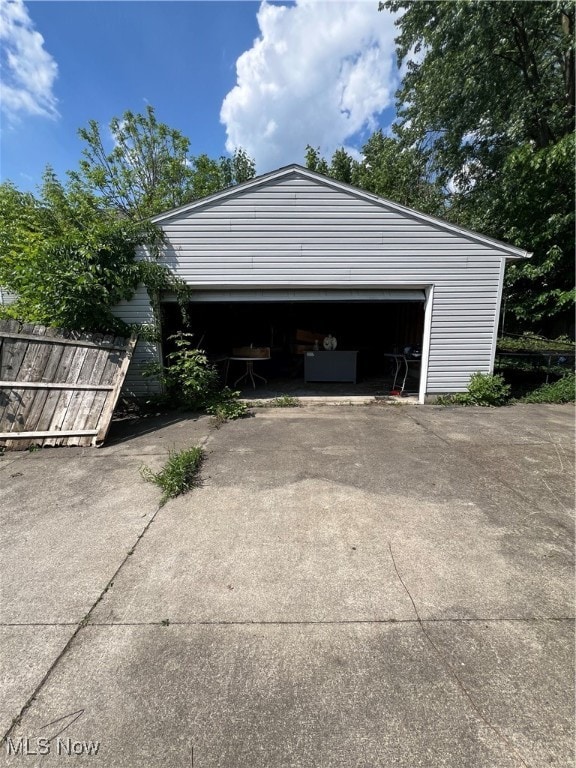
300, 231
6, 297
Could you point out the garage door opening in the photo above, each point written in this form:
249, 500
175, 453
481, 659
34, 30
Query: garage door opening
292, 330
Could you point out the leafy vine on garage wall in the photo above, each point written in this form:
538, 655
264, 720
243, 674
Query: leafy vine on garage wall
158, 279
69, 254
69, 261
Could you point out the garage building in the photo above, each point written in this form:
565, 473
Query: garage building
291, 256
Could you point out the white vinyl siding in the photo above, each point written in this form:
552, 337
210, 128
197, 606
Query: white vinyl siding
300, 231
6, 297
139, 311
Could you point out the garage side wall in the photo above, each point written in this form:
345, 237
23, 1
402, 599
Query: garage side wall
298, 232
139, 311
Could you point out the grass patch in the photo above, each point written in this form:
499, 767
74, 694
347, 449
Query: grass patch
530, 342
178, 475
225, 406
285, 401
561, 391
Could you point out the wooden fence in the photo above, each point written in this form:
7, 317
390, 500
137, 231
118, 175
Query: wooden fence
58, 387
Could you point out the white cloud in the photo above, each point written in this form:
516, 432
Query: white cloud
319, 73
28, 70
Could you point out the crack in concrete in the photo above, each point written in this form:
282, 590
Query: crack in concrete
453, 674
426, 428
38, 623
84, 622
504, 483
79, 626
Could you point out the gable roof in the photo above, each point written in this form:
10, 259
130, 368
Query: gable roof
296, 170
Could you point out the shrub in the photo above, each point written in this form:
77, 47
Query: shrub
483, 389
488, 389
68, 260
178, 475
191, 381
561, 391
189, 377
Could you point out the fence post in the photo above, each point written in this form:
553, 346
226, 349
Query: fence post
112, 398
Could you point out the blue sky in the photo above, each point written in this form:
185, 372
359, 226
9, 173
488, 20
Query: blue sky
270, 77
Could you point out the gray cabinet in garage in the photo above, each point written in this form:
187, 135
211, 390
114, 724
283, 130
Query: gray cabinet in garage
330, 366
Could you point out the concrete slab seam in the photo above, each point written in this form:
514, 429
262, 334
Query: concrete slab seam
453, 674
38, 623
336, 622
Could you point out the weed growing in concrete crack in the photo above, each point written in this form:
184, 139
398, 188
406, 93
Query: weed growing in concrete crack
285, 401
178, 475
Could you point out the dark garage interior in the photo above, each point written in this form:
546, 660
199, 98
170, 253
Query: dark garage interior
290, 329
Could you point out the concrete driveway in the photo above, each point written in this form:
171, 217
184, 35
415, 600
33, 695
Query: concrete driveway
350, 586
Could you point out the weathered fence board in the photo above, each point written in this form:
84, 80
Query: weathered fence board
75, 342
58, 387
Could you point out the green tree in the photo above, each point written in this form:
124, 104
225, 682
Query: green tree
400, 173
147, 171
237, 169
150, 170
69, 254
388, 169
489, 95
492, 75
342, 166
536, 206
207, 176
315, 162
68, 261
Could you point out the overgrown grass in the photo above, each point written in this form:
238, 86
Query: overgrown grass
285, 401
530, 342
224, 405
561, 391
178, 475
